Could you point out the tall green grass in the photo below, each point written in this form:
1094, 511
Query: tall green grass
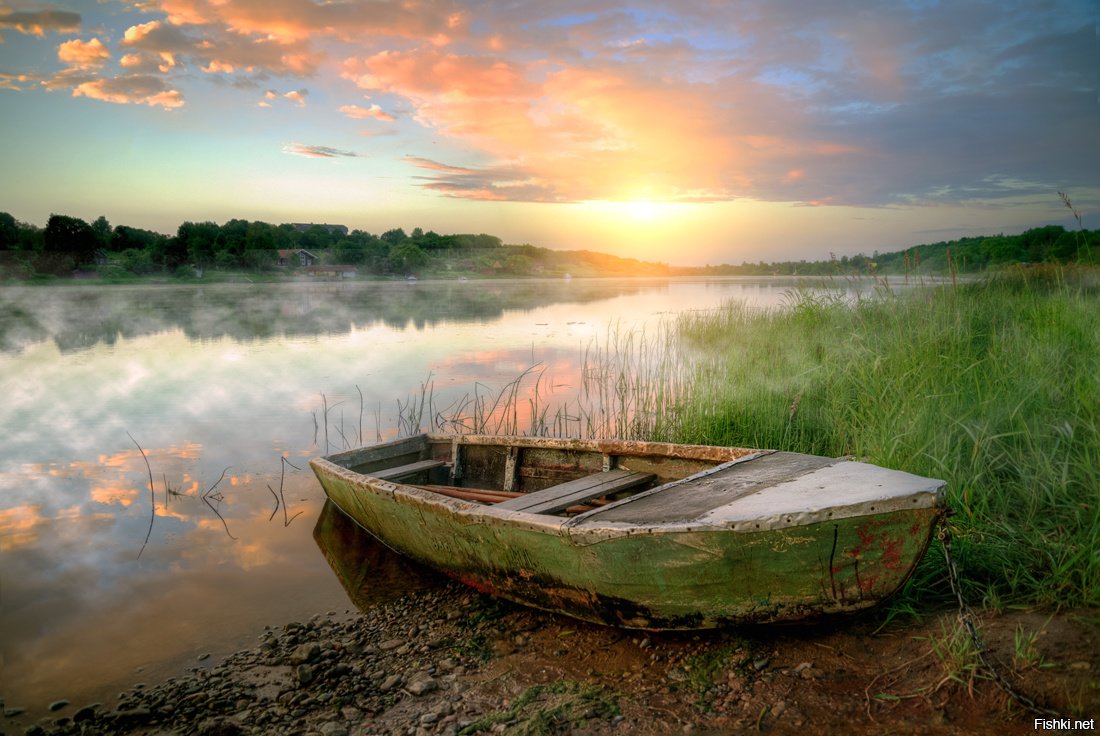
993, 386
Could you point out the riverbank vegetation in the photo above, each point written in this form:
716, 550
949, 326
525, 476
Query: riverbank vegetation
992, 385
69, 246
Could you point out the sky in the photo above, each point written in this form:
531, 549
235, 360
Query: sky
688, 131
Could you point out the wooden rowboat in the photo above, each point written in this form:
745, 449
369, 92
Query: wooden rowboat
641, 534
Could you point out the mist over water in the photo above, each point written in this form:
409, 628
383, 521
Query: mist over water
212, 386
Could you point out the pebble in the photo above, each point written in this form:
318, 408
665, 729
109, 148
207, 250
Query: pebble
305, 653
86, 713
422, 686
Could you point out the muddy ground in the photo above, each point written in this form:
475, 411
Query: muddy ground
451, 661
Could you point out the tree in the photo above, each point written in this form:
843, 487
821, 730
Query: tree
9, 232
195, 241
70, 238
103, 232
394, 237
315, 238
407, 257
260, 236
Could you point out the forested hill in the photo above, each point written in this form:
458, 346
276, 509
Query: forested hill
1050, 244
71, 246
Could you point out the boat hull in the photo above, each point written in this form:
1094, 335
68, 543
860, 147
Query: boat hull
685, 577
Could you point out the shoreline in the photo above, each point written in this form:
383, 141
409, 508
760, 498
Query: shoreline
452, 661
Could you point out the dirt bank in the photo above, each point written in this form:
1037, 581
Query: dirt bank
449, 661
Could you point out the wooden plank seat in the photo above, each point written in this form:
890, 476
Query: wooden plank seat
560, 497
404, 471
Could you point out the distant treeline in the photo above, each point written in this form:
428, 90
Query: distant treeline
70, 245
1050, 244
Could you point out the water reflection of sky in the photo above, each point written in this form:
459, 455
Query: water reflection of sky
230, 379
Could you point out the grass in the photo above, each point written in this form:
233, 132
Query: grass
555, 707
993, 386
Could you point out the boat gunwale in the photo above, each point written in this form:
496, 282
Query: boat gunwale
584, 529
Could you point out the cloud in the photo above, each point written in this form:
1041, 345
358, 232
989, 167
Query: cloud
131, 89
37, 22
496, 184
19, 82
83, 54
301, 149
374, 111
216, 49
693, 101
287, 21
569, 134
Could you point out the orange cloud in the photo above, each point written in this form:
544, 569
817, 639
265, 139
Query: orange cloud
18, 82
215, 49
83, 54
423, 73
37, 22
359, 113
299, 20
571, 134
132, 89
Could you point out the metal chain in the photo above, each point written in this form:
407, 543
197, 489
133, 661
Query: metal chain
966, 618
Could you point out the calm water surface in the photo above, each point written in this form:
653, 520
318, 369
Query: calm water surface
217, 384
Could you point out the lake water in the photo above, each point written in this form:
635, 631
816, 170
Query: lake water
207, 389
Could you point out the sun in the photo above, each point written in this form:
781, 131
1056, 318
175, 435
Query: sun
639, 210
644, 209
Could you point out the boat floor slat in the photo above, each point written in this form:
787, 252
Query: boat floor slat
560, 497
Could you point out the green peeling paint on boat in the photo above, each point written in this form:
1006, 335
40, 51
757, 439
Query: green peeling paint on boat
715, 537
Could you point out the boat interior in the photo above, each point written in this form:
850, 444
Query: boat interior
532, 475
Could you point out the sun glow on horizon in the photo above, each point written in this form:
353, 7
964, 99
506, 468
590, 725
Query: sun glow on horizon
640, 209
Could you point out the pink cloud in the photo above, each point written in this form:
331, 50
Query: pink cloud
301, 149
427, 163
